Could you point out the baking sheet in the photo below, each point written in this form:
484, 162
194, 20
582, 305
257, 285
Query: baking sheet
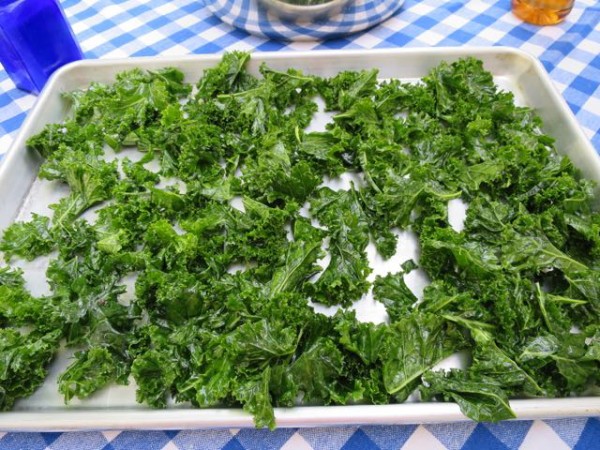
115, 407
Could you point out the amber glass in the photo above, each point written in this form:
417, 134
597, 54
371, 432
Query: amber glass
542, 12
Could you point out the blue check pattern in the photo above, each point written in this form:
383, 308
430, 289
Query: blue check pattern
580, 434
123, 28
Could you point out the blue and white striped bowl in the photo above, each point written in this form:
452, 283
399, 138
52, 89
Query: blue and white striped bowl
253, 17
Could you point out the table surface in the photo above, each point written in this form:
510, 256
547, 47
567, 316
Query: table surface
122, 28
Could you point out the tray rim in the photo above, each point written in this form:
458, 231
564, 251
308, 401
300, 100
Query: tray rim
299, 417
79, 418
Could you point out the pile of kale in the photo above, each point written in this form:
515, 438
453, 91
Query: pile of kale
221, 313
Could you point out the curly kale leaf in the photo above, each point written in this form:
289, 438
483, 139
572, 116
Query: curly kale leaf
344, 279
23, 363
341, 91
27, 239
11, 278
256, 399
413, 346
90, 180
92, 370
568, 355
229, 76
273, 176
315, 372
298, 266
56, 139
366, 340
392, 291
483, 402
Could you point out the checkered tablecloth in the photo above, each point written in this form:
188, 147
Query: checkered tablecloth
122, 28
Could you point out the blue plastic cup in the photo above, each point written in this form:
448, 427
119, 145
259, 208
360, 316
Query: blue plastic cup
35, 40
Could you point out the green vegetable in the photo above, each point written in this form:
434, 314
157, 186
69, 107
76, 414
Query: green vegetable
236, 236
27, 239
23, 362
415, 344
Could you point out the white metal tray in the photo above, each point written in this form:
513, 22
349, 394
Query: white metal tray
115, 407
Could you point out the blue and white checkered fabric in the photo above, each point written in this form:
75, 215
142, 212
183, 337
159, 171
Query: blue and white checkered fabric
250, 16
122, 28
581, 434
